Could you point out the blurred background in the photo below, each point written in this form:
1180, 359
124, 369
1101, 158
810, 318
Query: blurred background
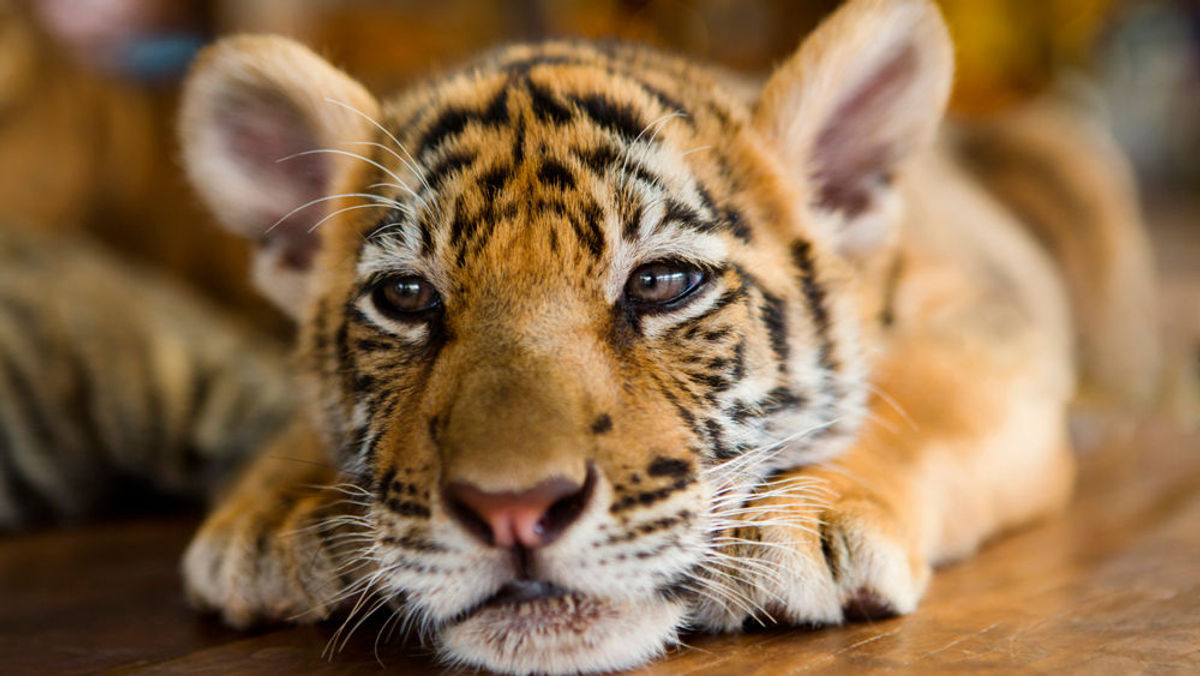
88, 93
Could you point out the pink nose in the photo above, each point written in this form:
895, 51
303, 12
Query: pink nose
531, 518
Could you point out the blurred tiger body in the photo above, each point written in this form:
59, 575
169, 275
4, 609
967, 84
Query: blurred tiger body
112, 379
869, 375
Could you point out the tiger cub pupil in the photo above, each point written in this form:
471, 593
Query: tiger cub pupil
664, 283
405, 297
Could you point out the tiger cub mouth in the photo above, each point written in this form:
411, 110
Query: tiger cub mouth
529, 603
520, 592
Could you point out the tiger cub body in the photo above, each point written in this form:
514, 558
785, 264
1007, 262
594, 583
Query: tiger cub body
115, 380
596, 351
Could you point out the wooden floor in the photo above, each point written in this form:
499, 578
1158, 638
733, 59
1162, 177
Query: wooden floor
1112, 587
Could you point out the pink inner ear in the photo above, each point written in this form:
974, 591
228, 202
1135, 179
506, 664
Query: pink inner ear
854, 151
261, 128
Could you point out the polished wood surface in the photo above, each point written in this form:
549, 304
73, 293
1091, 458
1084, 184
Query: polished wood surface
1113, 587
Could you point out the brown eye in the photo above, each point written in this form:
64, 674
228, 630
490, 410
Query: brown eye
663, 283
405, 297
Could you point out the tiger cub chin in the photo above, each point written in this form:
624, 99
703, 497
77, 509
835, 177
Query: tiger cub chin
597, 349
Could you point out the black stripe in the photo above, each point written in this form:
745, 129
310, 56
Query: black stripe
681, 214
486, 227
678, 211
739, 360
715, 382
648, 498
518, 149
716, 439
618, 118
523, 66
672, 104
33, 505
692, 326
556, 206
449, 123
363, 383
426, 230
602, 424
26, 400
493, 181
376, 344
496, 112
407, 508
357, 316
598, 159
632, 221
453, 120
740, 411
555, 174
774, 316
462, 227
642, 173
736, 224
814, 295
29, 504
686, 414
706, 198
781, 399
546, 105
449, 164
82, 394
589, 232
384, 481
728, 298
664, 466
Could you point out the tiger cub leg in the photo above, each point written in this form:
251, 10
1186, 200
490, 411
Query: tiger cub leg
284, 544
925, 483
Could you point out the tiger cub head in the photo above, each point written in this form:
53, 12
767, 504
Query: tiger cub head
566, 309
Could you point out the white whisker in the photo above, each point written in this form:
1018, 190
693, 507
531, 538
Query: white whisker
318, 200
346, 153
411, 163
894, 405
345, 209
656, 124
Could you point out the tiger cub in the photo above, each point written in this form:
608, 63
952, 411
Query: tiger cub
596, 348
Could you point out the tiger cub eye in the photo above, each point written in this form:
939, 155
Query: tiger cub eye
403, 297
663, 283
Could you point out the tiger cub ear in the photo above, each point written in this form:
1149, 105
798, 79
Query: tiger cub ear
254, 107
865, 91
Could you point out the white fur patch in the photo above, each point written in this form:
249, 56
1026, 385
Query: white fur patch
566, 637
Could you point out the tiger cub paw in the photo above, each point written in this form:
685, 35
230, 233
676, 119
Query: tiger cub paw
283, 563
821, 564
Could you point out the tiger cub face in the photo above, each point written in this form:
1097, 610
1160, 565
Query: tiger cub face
566, 309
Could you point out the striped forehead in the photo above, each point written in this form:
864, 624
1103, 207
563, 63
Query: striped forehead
569, 160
